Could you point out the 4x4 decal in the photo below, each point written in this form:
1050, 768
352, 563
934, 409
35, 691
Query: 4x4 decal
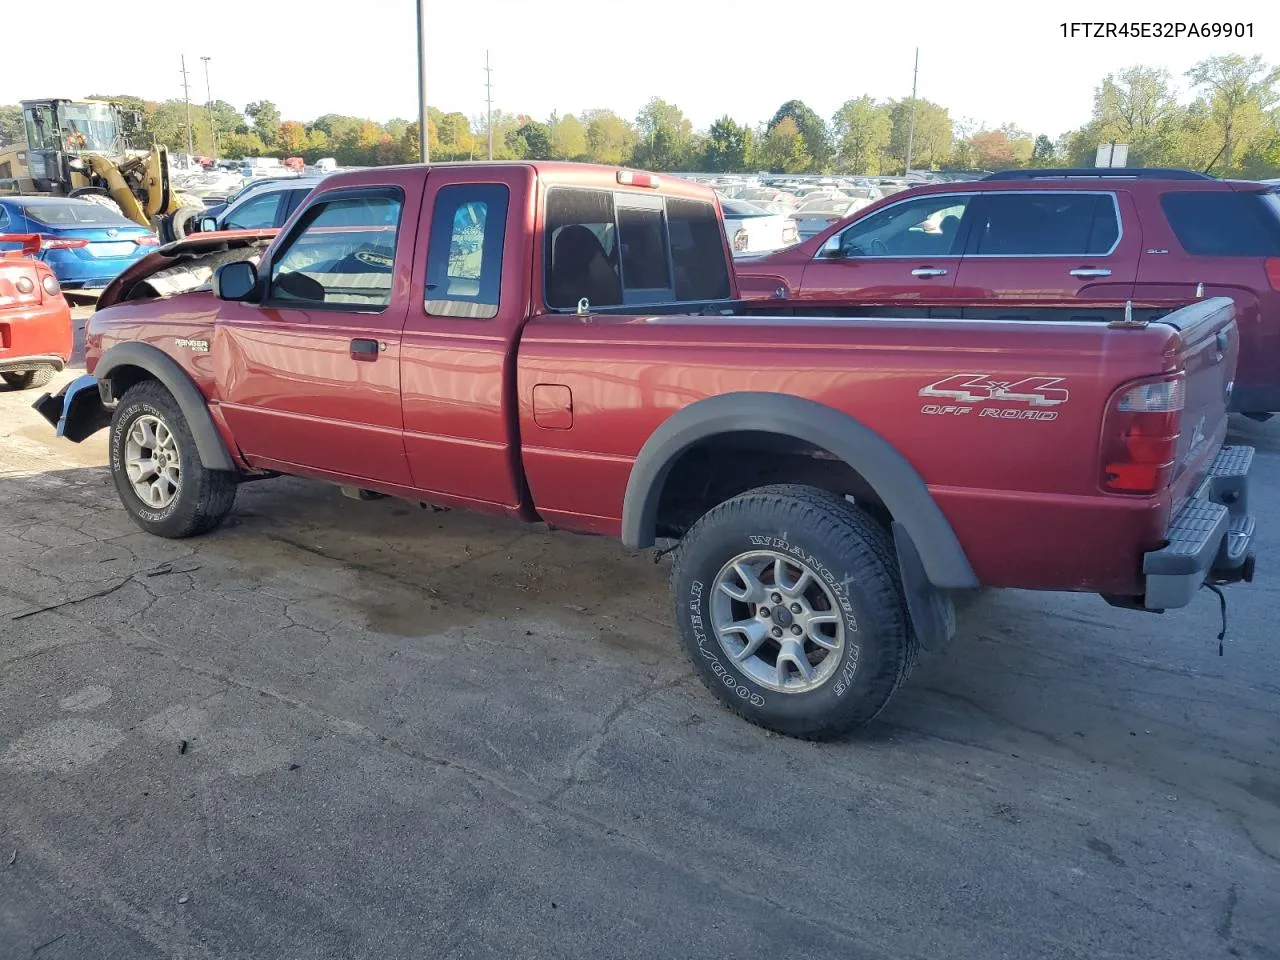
977, 387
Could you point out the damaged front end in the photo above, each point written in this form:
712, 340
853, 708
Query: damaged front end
84, 406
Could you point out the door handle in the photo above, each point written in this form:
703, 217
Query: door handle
928, 272
1091, 272
362, 349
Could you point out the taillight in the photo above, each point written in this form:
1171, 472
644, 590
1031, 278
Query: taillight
741, 240
24, 285
147, 240
789, 234
1273, 272
1140, 435
50, 284
62, 243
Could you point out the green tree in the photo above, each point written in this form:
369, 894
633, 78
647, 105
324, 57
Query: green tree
861, 130
1238, 92
456, 141
11, 128
728, 146
610, 139
292, 138
664, 135
266, 120
1042, 152
783, 149
531, 141
817, 138
931, 143
237, 146
568, 138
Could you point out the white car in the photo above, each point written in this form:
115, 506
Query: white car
814, 216
752, 229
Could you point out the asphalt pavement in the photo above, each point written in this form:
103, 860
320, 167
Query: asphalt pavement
339, 729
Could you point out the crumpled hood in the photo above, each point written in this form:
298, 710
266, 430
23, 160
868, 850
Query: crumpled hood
185, 265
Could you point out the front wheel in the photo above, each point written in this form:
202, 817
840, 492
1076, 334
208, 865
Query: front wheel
157, 470
789, 601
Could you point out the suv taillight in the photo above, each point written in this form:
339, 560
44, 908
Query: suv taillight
1273, 272
1140, 435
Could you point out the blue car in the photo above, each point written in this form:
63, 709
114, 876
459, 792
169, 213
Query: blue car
86, 244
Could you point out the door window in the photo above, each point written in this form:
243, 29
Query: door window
256, 214
342, 255
1035, 224
924, 227
464, 255
4, 219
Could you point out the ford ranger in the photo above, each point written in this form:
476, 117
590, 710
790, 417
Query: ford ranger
565, 343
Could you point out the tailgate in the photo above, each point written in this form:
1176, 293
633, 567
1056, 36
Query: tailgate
1209, 343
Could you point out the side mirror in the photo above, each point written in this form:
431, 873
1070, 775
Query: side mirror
832, 250
236, 281
208, 225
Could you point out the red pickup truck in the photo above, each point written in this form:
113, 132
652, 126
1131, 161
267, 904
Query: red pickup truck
565, 343
1056, 235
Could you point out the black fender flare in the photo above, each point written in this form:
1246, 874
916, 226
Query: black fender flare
894, 480
213, 452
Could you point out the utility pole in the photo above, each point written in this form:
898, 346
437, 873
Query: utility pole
423, 125
186, 95
213, 133
488, 101
911, 126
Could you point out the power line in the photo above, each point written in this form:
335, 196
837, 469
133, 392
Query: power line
911, 127
186, 95
488, 100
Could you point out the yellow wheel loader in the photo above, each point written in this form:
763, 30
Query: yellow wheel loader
77, 148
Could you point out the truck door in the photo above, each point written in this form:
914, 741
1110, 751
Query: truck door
1050, 245
310, 376
468, 299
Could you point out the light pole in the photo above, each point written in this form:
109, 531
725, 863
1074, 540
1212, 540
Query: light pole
213, 133
424, 133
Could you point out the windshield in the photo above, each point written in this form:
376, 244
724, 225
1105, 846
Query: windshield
72, 212
826, 207
88, 126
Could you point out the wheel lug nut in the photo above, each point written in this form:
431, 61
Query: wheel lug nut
777, 631
795, 608
796, 630
776, 598
764, 611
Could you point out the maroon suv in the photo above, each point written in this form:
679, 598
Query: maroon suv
1119, 234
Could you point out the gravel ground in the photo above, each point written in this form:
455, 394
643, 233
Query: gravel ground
339, 729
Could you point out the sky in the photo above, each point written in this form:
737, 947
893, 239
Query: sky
987, 62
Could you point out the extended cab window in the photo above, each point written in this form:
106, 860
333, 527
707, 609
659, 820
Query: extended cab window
697, 250
581, 255
255, 214
464, 258
343, 255
924, 227
632, 248
1212, 223
1035, 224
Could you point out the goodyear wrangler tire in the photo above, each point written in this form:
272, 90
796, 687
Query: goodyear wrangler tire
789, 602
157, 470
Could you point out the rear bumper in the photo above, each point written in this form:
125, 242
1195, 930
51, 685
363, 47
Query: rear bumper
1209, 538
20, 364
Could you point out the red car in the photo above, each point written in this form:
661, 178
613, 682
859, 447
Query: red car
35, 319
564, 343
1141, 234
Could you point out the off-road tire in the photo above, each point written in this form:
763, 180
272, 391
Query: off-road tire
29, 378
853, 555
101, 199
176, 224
204, 496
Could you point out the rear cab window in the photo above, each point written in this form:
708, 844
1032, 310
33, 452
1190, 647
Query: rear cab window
622, 248
1041, 224
1220, 223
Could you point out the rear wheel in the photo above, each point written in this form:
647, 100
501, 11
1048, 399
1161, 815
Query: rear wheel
157, 470
185, 221
29, 378
789, 601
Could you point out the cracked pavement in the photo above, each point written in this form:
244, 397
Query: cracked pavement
339, 729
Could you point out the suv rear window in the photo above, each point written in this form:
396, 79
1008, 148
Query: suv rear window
1219, 223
